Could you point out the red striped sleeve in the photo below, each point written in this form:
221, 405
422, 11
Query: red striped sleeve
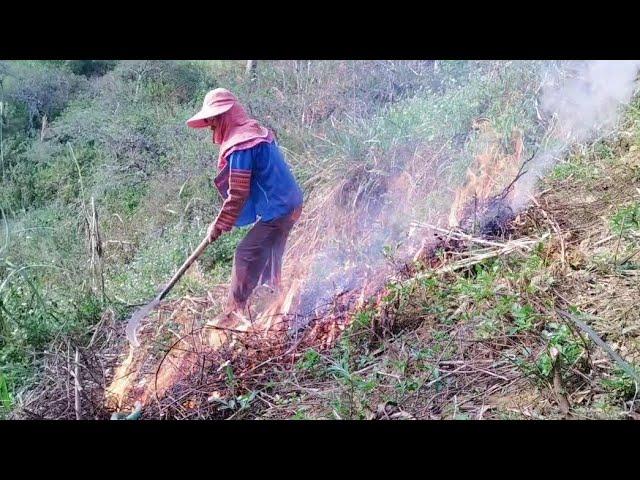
239, 188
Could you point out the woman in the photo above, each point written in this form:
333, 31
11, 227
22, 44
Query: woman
257, 187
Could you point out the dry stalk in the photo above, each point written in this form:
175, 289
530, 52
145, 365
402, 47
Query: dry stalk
77, 386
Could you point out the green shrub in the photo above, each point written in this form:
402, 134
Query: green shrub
626, 219
40, 90
5, 396
91, 68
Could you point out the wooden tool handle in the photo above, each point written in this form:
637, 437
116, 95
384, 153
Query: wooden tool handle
196, 253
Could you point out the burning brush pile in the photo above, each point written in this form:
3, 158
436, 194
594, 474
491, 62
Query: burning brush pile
189, 367
398, 210
477, 208
328, 282
482, 208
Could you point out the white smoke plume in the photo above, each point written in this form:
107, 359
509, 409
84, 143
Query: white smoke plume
582, 102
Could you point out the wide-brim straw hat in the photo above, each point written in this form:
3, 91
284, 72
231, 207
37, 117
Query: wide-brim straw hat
216, 102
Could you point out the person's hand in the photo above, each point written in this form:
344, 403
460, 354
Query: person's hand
213, 232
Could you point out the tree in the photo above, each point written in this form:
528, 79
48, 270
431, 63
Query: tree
252, 70
41, 91
91, 68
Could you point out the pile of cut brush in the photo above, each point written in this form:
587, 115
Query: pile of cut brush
487, 221
217, 381
188, 368
486, 224
489, 218
232, 377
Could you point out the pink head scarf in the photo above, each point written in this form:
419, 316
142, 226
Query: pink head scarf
234, 130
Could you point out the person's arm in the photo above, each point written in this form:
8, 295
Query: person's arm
240, 166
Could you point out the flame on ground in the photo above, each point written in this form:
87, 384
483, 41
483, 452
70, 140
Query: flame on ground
148, 372
490, 171
175, 338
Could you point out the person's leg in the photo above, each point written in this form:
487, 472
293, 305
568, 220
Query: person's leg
249, 262
271, 273
273, 267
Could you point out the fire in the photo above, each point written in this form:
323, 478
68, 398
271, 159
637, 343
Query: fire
138, 378
120, 385
142, 376
327, 226
490, 172
188, 328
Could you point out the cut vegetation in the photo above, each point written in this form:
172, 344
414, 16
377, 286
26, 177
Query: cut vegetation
415, 287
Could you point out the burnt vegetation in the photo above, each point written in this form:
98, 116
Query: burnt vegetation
105, 192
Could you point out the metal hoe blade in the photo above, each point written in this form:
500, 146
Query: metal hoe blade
134, 321
136, 318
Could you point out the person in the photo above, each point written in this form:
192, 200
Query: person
257, 187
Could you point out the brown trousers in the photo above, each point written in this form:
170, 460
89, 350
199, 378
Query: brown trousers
258, 257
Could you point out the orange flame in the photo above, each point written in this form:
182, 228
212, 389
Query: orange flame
142, 376
490, 172
147, 374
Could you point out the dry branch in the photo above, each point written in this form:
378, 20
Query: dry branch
624, 365
77, 388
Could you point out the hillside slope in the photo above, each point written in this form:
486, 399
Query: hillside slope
490, 341
480, 327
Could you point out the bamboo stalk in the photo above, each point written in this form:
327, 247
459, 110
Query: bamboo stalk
628, 369
77, 387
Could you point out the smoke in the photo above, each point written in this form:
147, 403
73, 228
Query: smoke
581, 101
576, 101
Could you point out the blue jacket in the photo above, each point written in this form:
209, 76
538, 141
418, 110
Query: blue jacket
257, 184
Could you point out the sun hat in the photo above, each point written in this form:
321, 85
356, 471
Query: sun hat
216, 102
